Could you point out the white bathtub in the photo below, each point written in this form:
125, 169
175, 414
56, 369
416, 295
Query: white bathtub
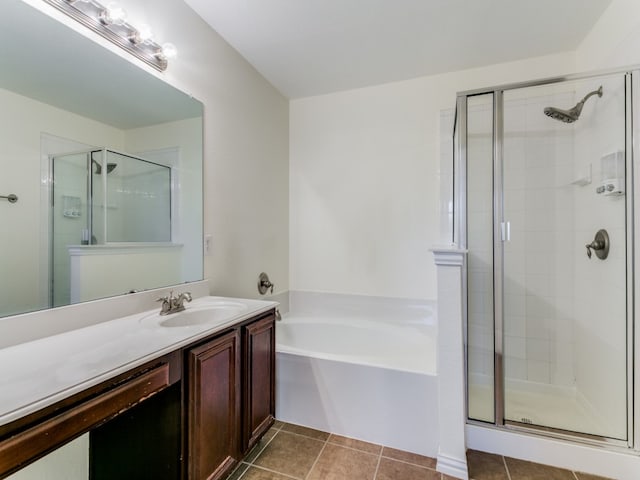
360, 367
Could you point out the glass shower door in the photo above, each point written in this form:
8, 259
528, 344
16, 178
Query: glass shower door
69, 219
564, 305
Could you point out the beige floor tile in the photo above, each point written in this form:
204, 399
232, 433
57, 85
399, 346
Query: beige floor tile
340, 463
523, 470
357, 444
409, 457
290, 454
394, 470
307, 432
485, 466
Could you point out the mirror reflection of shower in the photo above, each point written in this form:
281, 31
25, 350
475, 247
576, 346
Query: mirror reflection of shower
98, 169
130, 205
570, 116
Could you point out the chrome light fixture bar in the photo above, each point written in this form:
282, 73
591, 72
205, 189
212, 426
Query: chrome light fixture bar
110, 22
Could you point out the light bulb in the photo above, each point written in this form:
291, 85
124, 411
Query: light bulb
144, 32
169, 50
113, 14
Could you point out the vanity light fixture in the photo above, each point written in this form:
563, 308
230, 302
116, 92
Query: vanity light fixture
110, 21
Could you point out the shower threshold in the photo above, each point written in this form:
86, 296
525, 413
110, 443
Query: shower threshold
543, 408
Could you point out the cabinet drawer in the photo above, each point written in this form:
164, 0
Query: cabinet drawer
33, 443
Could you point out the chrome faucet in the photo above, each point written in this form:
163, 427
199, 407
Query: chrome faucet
171, 304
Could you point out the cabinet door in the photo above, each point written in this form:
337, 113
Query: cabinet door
259, 379
213, 407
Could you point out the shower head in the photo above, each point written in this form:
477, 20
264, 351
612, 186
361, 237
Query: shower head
110, 167
570, 116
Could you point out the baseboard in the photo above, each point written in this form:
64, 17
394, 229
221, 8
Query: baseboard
454, 467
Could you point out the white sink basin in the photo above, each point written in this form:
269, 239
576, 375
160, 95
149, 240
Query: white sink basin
205, 313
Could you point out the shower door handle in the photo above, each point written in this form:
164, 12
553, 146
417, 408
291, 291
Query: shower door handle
505, 227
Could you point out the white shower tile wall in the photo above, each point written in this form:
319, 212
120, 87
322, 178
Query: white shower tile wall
538, 161
600, 288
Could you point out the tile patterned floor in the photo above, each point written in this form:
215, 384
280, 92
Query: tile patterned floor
293, 452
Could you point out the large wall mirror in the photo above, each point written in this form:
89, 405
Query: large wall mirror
105, 160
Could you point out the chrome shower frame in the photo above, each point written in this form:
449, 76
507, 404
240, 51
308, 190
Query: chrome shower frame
632, 205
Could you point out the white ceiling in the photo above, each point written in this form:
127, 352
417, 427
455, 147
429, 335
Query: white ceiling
311, 47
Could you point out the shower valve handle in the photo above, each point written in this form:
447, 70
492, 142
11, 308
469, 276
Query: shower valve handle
599, 245
595, 246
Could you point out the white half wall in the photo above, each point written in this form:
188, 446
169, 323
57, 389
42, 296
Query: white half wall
365, 180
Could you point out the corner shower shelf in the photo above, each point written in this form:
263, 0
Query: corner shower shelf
584, 178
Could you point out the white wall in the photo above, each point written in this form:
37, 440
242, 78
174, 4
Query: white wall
246, 123
159, 143
614, 41
22, 121
364, 186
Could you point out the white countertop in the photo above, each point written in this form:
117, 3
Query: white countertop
36, 374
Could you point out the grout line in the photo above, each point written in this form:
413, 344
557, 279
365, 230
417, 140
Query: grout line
305, 436
409, 463
317, 458
375, 474
504, 461
355, 449
271, 471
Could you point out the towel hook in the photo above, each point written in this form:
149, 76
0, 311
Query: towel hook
13, 198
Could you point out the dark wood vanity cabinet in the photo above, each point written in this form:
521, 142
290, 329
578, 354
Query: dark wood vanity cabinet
259, 376
213, 407
230, 397
191, 414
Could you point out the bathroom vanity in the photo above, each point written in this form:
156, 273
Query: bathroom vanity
181, 396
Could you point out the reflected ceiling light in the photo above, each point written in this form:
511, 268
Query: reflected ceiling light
168, 51
110, 21
113, 14
143, 34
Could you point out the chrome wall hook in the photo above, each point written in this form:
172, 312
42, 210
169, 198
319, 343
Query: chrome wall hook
13, 198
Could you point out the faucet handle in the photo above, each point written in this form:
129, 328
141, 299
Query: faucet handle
264, 284
166, 304
177, 303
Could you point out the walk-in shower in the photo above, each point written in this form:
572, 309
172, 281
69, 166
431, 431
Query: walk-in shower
549, 327
131, 204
